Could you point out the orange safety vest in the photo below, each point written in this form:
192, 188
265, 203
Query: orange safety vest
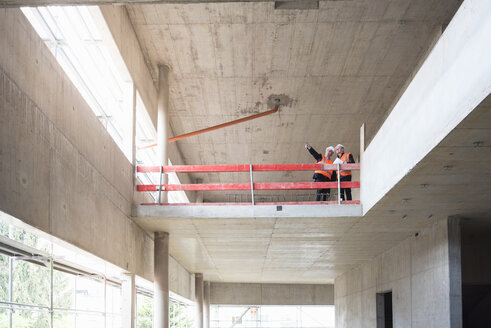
345, 158
324, 160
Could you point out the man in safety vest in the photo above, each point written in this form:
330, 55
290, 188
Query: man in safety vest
323, 175
344, 175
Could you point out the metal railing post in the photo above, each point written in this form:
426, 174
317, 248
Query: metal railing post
11, 286
160, 183
339, 186
51, 291
252, 184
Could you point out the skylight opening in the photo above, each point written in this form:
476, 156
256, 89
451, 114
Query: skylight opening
80, 40
74, 36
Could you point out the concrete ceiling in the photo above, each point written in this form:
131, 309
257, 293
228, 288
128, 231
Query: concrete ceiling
453, 179
334, 68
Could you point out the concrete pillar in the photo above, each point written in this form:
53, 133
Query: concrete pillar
199, 299
161, 280
128, 301
163, 123
206, 304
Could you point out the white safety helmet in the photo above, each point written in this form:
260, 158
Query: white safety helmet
339, 146
331, 148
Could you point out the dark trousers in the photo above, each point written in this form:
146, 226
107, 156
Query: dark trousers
346, 191
322, 194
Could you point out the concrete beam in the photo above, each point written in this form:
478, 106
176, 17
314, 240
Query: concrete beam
30, 3
271, 294
247, 211
452, 81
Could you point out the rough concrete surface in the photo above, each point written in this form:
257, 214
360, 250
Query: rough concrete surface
341, 65
271, 294
417, 273
59, 169
431, 107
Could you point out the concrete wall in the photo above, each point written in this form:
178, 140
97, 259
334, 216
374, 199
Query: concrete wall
180, 280
421, 274
60, 171
271, 294
454, 79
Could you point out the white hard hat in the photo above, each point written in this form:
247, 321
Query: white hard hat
339, 145
330, 148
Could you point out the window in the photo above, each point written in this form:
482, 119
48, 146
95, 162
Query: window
181, 315
81, 42
181, 310
77, 37
31, 271
225, 316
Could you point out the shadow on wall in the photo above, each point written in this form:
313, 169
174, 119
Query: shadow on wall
476, 273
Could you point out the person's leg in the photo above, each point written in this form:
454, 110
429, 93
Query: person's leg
321, 192
346, 191
325, 194
318, 196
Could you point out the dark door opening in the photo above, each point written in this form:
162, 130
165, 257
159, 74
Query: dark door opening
384, 310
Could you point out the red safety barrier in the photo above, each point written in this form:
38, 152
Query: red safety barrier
243, 168
331, 202
250, 186
247, 186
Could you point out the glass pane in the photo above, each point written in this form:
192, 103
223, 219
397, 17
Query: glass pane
92, 321
279, 316
4, 318
113, 299
89, 294
113, 321
4, 278
64, 320
31, 283
181, 315
63, 290
317, 316
272, 316
144, 311
25, 319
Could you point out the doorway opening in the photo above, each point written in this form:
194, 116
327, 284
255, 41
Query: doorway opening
384, 310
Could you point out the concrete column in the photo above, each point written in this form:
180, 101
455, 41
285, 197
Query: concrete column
199, 299
128, 301
161, 280
163, 123
206, 304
